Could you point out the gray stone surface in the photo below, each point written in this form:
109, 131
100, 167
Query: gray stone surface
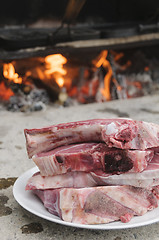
17, 223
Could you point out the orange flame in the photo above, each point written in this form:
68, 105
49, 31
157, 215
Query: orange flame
10, 74
107, 79
118, 56
54, 67
102, 61
60, 81
5, 93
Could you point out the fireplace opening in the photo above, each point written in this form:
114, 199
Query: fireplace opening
30, 84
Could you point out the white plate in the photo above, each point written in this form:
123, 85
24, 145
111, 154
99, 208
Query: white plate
31, 203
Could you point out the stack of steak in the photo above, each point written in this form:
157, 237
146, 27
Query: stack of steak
96, 171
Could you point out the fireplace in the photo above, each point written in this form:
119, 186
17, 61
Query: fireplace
77, 52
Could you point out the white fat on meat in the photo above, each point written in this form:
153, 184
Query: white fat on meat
98, 205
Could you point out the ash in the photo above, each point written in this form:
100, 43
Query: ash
36, 100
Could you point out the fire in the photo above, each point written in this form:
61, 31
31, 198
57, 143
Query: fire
54, 68
107, 79
51, 70
60, 81
100, 81
102, 61
118, 56
10, 74
5, 93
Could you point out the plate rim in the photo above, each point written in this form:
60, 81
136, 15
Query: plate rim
21, 180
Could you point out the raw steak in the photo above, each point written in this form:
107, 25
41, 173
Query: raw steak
69, 180
119, 133
146, 179
90, 157
98, 205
